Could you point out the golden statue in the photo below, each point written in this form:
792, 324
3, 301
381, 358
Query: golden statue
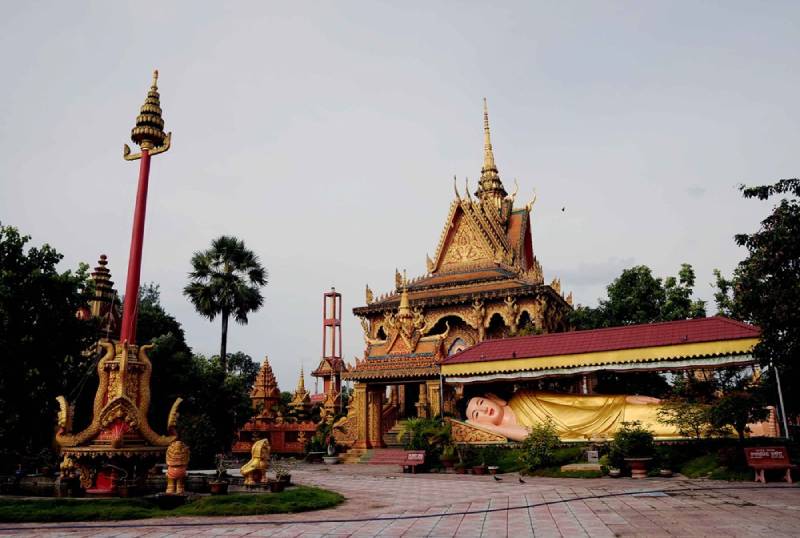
255, 470
177, 461
575, 416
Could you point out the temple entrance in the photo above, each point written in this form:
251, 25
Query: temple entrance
408, 404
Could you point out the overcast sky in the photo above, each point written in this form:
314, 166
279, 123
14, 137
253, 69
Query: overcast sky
326, 136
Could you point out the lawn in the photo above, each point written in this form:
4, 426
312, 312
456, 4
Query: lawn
296, 499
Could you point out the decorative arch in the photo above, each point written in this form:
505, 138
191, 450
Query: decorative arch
459, 344
435, 324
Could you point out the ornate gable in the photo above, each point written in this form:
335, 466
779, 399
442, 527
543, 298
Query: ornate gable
466, 244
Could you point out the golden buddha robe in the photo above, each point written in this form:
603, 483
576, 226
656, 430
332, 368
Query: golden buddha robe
582, 417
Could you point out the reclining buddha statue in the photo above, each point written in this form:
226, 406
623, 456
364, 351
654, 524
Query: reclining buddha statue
575, 416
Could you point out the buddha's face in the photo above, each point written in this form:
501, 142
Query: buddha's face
484, 411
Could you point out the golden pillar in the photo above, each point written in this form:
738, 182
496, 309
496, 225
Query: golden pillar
422, 404
375, 396
433, 397
359, 403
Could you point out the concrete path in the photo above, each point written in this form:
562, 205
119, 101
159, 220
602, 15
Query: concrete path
686, 509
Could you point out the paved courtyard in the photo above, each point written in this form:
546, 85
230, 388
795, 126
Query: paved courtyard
602, 507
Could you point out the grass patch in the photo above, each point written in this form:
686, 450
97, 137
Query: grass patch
710, 466
556, 472
296, 499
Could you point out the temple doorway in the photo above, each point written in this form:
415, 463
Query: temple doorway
408, 407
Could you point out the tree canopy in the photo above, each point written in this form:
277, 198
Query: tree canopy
41, 341
226, 280
636, 296
765, 286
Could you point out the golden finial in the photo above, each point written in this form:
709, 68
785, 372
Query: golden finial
488, 154
148, 133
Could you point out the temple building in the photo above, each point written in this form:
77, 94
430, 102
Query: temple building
286, 434
484, 282
520, 374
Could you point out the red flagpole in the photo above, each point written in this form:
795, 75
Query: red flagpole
130, 309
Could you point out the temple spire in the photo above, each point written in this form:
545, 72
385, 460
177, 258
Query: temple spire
488, 154
490, 188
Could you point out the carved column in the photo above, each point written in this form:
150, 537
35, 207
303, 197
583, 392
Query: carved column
375, 416
362, 414
433, 397
422, 404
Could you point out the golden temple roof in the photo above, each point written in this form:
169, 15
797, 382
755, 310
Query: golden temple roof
265, 385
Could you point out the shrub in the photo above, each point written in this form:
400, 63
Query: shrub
539, 446
631, 441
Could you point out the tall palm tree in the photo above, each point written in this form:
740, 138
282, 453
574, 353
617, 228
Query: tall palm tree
226, 280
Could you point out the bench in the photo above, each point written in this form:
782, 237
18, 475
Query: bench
769, 457
407, 459
315, 457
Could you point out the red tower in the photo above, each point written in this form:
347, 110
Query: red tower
331, 366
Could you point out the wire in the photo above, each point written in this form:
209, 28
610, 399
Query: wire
218, 523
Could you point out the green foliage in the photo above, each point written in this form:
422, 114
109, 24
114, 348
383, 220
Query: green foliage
539, 446
736, 409
764, 287
711, 466
295, 499
631, 441
690, 419
428, 434
636, 296
226, 280
41, 343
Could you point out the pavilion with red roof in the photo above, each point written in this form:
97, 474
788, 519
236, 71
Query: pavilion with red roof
704, 343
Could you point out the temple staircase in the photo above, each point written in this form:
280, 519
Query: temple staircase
365, 455
391, 439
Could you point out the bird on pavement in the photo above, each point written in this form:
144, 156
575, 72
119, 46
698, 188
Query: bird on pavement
521, 481
496, 478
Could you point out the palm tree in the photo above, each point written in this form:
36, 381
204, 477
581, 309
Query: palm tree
226, 280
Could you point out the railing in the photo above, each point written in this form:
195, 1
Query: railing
389, 417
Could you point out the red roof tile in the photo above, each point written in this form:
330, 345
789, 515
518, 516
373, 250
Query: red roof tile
614, 338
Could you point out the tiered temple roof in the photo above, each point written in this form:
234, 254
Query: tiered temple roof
484, 266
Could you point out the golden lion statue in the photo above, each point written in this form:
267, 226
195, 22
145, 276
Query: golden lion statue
255, 470
177, 460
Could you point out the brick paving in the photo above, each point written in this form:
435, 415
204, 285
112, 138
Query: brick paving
375, 491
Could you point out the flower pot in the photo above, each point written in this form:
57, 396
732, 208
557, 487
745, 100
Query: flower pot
461, 470
614, 473
218, 488
493, 469
285, 479
447, 464
665, 473
330, 460
276, 486
479, 469
638, 466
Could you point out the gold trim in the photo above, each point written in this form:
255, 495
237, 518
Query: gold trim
655, 353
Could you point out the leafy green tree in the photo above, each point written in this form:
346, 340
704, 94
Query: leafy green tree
690, 419
538, 448
226, 280
41, 342
636, 296
765, 286
737, 409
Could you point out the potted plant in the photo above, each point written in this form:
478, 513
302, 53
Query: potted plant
633, 444
219, 486
665, 462
480, 468
460, 468
614, 472
282, 470
448, 456
276, 486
